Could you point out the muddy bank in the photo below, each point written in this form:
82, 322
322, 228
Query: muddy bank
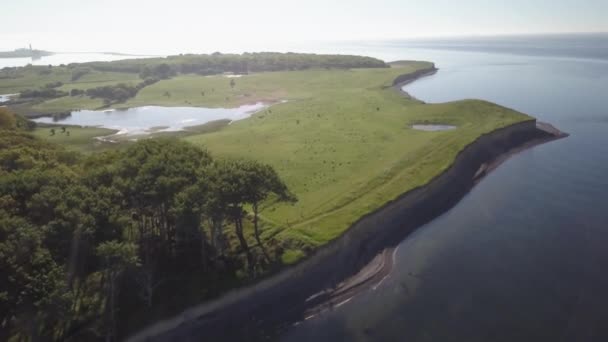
357, 261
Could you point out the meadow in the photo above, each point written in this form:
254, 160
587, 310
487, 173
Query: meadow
75, 138
15, 80
342, 141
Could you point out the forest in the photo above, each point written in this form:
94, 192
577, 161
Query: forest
218, 63
90, 244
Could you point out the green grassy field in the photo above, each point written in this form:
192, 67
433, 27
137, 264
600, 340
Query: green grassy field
64, 104
81, 139
38, 77
342, 140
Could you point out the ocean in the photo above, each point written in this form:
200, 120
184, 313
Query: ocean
523, 257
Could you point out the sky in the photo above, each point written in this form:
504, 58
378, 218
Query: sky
176, 26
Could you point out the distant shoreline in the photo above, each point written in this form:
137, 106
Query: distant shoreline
25, 53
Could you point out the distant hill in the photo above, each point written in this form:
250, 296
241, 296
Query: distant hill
24, 53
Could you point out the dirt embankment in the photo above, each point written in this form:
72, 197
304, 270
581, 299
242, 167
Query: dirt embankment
358, 260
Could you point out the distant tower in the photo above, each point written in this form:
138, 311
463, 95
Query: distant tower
31, 47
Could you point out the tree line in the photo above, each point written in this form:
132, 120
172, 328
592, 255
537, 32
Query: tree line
88, 241
45, 93
115, 93
217, 63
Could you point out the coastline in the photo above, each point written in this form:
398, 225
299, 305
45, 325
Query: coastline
355, 262
379, 268
404, 80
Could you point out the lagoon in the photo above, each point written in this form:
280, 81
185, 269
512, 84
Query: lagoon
151, 119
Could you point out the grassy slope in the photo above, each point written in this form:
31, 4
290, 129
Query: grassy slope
81, 139
341, 155
64, 104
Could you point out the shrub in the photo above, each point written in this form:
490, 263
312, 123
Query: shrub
53, 85
42, 93
77, 73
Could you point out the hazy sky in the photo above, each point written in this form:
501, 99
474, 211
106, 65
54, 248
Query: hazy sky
173, 26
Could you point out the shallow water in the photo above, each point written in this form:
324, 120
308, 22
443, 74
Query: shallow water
523, 256
149, 119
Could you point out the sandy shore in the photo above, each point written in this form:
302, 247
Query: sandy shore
369, 277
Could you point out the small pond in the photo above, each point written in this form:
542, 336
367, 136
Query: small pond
433, 128
150, 119
6, 97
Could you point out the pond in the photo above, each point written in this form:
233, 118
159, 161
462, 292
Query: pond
6, 97
433, 127
151, 119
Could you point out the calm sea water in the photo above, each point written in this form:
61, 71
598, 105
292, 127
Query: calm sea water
524, 256
63, 58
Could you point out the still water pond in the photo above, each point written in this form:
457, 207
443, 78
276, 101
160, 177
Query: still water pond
150, 119
433, 128
5, 97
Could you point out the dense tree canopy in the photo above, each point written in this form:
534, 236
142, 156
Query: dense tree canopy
88, 241
116, 93
218, 63
45, 93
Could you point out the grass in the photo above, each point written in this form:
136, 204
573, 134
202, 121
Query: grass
81, 139
342, 141
98, 79
291, 256
33, 78
38, 77
64, 104
214, 91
